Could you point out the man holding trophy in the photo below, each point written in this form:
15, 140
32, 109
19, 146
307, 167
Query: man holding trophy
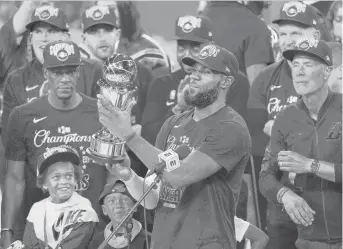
196, 200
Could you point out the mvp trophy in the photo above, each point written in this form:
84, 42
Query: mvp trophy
118, 86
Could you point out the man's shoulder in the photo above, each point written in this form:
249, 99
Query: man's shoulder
34, 107
89, 102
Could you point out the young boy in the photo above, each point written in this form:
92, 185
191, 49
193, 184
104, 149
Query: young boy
64, 219
116, 203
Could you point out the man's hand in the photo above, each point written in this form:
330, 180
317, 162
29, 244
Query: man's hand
290, 161
118, 122
16, 245
121, 170
298, 209
268, 127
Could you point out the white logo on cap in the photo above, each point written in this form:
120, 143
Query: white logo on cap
97, 12
59, 149
306, 43
62, 51
209, 50
294, 8
188, 23
46, 11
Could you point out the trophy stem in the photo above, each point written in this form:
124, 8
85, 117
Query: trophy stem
106, 148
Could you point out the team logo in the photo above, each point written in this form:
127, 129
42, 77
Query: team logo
306, 43
62, 51
294, 8
97, 12
45, 12
209, 51
335, 132
189, 23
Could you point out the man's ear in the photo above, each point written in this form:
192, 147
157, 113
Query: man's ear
83, 37
104, 210
327, 72
317, 34
45, 72
227, 81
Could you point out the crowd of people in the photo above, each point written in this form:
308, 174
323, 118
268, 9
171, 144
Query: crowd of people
246, 99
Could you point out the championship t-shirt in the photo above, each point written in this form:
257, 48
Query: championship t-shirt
201, 215
28, 83
271, 91
36, 127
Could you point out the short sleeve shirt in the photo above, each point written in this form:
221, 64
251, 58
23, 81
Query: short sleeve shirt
202, 214
36, 127
239, 30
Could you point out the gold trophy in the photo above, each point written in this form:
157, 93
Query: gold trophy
119, 87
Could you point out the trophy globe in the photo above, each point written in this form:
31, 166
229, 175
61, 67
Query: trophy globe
118, 86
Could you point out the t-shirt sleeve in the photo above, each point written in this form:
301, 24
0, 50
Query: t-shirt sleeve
9, 102
241, 227
258, 48
15, 148
8, 47
226, 144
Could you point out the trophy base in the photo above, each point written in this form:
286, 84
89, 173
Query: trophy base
104, 160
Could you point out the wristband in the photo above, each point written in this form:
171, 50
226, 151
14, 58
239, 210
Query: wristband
281, 193
7, 229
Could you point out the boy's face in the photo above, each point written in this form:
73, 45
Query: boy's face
117, 205
60, 181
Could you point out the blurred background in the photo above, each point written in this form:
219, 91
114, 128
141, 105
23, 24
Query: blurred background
157, 18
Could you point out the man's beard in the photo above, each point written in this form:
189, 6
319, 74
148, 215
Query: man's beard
203, 98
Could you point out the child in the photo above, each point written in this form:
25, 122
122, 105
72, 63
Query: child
64, 219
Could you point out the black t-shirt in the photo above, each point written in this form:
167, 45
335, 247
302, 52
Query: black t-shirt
27, 83
239, 30
201, 215
271, 91
35, 127
162, 97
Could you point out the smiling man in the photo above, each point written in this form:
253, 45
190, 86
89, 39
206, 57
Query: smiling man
63, 116
196, 202
306, 140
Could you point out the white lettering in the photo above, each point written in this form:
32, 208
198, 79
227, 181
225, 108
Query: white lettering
54, 50
43, 137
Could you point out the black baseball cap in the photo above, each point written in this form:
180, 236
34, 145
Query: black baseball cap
98, 14
116, 186
49, 14
298, 12
193, 28
61, 53
309, 46
63, 153
216, 58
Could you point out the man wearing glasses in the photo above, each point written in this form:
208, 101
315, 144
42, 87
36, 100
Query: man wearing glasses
62, 116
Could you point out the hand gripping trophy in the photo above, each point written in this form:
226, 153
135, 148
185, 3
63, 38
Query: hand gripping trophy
118, 86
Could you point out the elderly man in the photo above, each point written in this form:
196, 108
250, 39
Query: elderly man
272, 91
195, 203
306, 141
